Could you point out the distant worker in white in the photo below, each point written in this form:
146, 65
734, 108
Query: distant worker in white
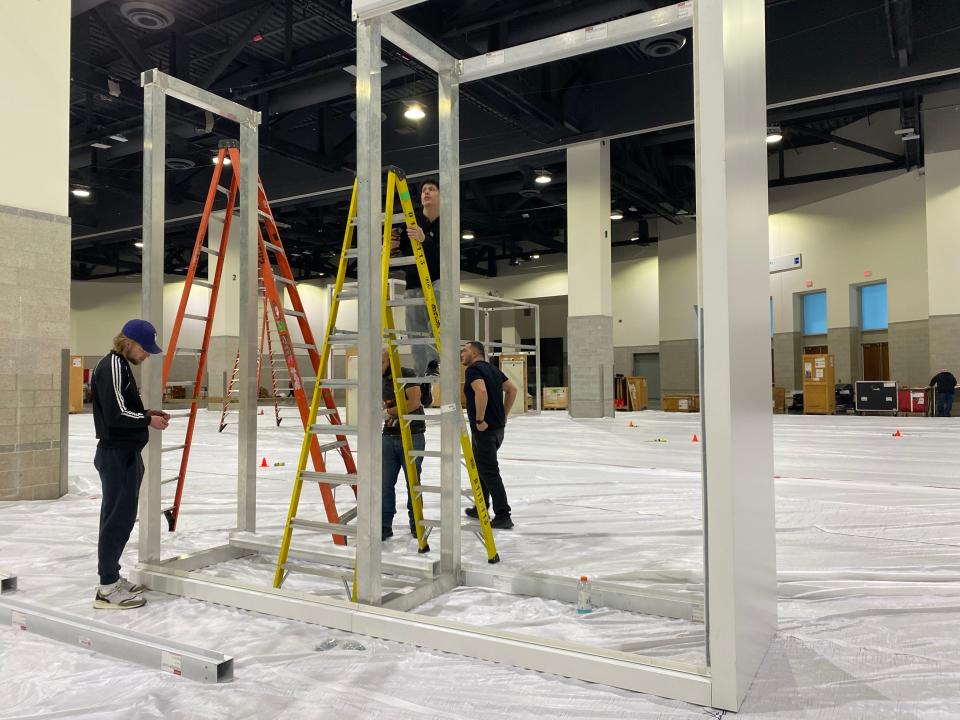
945, 385
490, 395
121, 423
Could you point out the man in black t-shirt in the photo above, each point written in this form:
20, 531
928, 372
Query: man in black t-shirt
392, 445
945, 384
490, 395
428, 234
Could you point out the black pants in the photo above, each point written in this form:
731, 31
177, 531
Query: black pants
121, 471
485, 446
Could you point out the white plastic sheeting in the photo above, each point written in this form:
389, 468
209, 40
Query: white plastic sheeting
868, 553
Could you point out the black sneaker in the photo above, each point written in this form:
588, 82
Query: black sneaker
501, 522
386, 532
471, 512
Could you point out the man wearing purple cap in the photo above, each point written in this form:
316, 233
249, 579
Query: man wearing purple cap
121, 423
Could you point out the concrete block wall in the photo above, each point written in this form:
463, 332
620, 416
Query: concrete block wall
590, 344
787, 354
679, 371
34, 330
909, 344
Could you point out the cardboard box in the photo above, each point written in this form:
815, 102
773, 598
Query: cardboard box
637, 393
681, 403
555, 398
779, 400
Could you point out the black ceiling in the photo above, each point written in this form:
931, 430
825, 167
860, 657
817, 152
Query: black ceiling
287, 58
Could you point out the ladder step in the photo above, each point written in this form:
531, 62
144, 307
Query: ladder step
203, 283
304, 346
209, 251
348, 295
351, 253
335, 445
411, 340
169, 480
436, 490
202, 318
421, 418
338, 383
431, 379
343, 339
275, 248
334, 429
327, 411
401, 302
181, 383
349, 515
285, 281
403, 261
181, 414
294, 313
329, 478
172, 448
426, 453
397, 219
189, 351
316, 525
345, 575
222, 189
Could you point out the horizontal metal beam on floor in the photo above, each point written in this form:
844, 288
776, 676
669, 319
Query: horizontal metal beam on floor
8, 582
177, 658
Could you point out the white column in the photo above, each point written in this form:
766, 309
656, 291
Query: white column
941, 136
225, 335
730, 102
590, 314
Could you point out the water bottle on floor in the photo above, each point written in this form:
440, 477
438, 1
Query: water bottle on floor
583, 596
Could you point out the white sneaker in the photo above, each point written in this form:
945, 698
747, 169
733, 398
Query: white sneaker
116, 599
130, 587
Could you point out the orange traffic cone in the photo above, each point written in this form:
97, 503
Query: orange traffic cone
263, 463
260, 413
630, 424
897, 433
695, 438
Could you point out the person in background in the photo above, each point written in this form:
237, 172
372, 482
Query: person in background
490, 395
392, 460
121, 423
945, 385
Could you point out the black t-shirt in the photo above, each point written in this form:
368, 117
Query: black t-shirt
391, 426
493, 380
944, 382
431, 250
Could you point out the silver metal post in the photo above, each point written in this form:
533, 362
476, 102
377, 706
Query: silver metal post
247, 381
476, 318
449, 122
154, 165
370, 319
539, 360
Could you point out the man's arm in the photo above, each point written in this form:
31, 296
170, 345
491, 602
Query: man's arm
510, 392
109, 391
412, 393
480, 400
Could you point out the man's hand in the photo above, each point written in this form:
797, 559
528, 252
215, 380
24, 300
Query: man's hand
158, 422
482, 426
158, 413
416, 233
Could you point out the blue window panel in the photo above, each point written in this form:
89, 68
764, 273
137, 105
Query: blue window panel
873, 307
815, 313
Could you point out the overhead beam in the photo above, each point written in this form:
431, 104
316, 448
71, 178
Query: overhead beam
415, 44
834, 174
862, 147
121, 36
235, 47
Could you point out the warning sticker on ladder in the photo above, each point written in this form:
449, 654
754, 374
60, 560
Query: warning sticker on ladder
171, 663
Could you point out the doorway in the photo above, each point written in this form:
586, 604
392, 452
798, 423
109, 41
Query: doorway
876, 361
648, 365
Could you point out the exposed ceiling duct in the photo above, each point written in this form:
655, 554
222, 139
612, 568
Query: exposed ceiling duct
147, 15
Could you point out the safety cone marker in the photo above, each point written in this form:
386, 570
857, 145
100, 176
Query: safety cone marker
263, 463
695, 438
630, 424
897, 433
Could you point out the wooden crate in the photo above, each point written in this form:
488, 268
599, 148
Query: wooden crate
555, 398
76, 383
681, 403
779, 400
637, 393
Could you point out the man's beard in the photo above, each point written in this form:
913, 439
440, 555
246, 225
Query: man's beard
132, 360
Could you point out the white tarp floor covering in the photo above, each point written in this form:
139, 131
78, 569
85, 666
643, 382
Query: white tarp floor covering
868, 547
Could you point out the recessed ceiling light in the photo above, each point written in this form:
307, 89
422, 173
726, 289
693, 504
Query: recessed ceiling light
774, 135
616, 215
80, 192
100, 145
138, 244
634, 239
682, 211
414, 111
118, 138
467, 235
226, 160
534, 257
542, 177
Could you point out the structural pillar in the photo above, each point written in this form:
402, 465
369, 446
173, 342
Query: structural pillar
732, 235
941, 131
225, 336
35, 246
590, 318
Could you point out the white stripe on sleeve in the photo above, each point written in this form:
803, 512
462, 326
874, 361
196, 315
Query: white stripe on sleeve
117, 371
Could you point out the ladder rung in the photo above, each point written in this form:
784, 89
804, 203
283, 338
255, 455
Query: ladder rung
181, 414
334, 429
304, 346
327, 411
426, 453
348, 295
349, 515
294, 313
189, 351
397, 219
181, 383
203, 283
329, 478
169, 480
400, 302
209, 251
403, 261
421, 380
285, 281
188, 316
222, 189
346, 575
275, 248
333, 528
338, 383
429, 523
421, 418
351, 253
335, 445
172, 448
411, 341
471, 525
342, 338
437, 490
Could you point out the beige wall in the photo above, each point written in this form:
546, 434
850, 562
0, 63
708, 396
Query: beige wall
678, 282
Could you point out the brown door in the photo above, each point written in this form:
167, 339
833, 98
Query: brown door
876, 361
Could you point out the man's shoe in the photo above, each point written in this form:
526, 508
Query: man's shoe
130, 587
117, 599
386, 532
501, 522
471, 512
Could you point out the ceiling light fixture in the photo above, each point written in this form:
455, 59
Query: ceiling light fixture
414, 111
468, 235
542, 177
118, 138
80, 192
100, 145
635, 238
138, 243
534, 257
226, 160
616, 215
774, 134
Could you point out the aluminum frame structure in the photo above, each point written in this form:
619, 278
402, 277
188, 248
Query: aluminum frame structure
481, 304
740, 598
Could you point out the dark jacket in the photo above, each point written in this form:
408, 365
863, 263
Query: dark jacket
944, 382
118, 413
431, 250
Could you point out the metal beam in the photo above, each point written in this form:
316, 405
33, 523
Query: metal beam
834, 174
126, 43
579, 42
198, 97
862, 147
8, 582
367, 9
154, 652
234, 48
416, 45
